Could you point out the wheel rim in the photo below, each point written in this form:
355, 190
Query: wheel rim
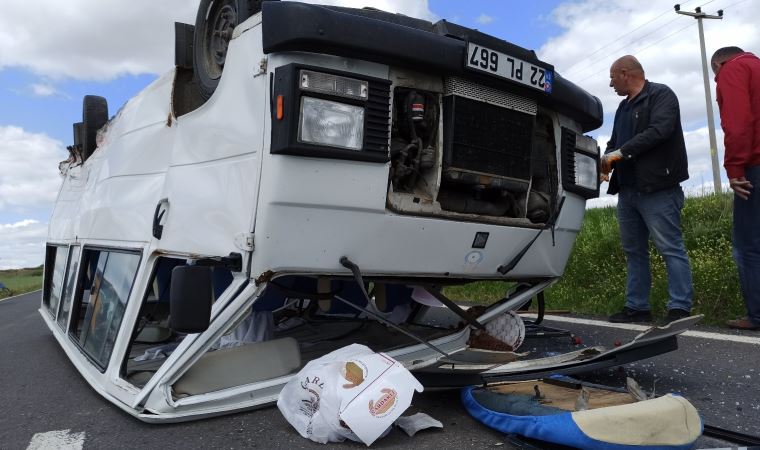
221, 22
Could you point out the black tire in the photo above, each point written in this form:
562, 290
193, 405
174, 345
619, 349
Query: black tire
214, 24
94, 117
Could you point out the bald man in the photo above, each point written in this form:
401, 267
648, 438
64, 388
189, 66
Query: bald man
647, 157
737, 74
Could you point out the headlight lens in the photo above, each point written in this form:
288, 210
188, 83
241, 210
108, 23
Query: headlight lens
325, 122
585, 171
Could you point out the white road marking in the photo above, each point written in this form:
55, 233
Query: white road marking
633, 327
19, 295
57, 440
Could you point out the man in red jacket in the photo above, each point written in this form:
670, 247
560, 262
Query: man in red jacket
737, 74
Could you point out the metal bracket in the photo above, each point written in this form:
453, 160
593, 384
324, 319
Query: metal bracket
244, 241
263, 64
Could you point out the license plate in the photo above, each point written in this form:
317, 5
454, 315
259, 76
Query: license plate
508, 67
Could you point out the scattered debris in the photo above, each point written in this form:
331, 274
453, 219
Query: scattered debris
538, 396
417, 422
581, 403
636, 391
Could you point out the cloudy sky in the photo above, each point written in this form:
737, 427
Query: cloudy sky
52, 53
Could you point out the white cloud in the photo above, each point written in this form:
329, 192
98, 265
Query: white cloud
596, 32
103, 39
22, 244
484, 19
29, 176
44, 90
88, 39
40, 89
700, 162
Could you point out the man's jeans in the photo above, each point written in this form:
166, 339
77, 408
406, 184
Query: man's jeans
658, 215
747, 244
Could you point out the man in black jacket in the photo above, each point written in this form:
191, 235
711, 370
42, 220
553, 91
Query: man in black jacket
648, 155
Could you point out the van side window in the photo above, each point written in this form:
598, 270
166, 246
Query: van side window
100, 302
55, 268
68, 287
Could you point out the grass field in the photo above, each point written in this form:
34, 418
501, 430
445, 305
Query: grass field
594, 281
19, 281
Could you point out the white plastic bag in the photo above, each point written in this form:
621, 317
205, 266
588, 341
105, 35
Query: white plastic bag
350, 388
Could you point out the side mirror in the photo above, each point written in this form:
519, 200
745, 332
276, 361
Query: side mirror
191, 298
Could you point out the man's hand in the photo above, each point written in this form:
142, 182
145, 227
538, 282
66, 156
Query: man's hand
741, 186
606, 167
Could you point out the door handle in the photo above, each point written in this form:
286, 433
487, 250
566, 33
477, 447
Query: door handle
158, 228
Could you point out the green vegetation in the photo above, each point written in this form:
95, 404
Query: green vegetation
19, 281
594, 281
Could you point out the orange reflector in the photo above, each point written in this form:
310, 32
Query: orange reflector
279, 107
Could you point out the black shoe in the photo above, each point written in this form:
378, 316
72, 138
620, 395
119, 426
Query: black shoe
631, 315
675, 314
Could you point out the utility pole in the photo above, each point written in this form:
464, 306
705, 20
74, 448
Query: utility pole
699, 15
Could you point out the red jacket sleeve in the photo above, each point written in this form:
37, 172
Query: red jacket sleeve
735, 117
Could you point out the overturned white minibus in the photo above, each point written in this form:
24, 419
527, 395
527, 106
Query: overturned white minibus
310, 177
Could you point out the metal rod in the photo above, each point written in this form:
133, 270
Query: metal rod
347, 263
380, 318
730, 436
455, 308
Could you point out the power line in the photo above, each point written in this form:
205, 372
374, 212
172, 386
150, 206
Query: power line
619, 38
731, 5
603, 57
654, 43
660, 40
641, 50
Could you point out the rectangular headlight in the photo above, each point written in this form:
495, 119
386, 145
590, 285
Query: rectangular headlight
585, 171
324, 122
334, 85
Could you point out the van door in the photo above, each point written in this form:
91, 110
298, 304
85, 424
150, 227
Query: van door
211, 186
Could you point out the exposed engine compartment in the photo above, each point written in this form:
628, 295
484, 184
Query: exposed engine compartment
470, 152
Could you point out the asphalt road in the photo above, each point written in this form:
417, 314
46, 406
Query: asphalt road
41, 392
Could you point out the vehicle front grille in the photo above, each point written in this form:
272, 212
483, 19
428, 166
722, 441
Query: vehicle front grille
487, 136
